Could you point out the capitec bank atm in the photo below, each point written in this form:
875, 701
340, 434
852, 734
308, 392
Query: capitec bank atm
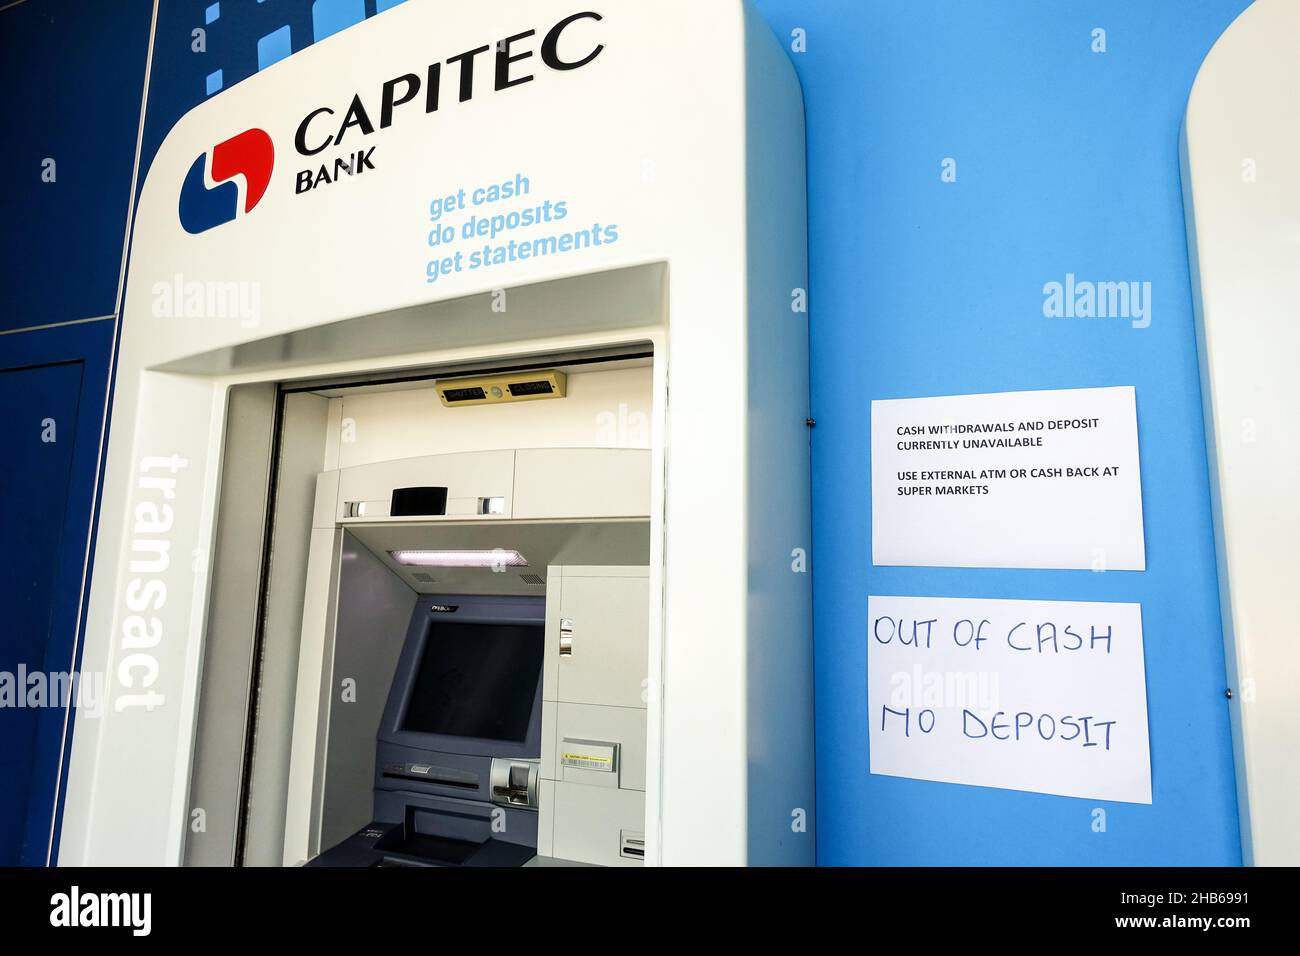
456, 501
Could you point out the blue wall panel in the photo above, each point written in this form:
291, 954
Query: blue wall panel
1067, 162
71, 85
40, 404
47, 489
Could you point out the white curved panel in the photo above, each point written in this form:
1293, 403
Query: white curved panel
1241, 144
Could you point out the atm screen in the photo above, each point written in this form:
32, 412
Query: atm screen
476, 680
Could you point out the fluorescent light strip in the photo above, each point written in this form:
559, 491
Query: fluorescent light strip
497, 558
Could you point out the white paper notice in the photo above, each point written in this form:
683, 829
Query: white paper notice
1008, 480
1045, 696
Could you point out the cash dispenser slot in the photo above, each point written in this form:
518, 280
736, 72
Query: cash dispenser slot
417, 838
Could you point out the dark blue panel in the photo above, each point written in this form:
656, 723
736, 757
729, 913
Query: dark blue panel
37, 431
47, 490
71, 83
1067, 161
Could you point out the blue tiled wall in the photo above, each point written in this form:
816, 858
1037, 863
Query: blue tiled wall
71, 90
71, 84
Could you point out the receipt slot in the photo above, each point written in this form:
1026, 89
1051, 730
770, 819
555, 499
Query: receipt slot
654, 229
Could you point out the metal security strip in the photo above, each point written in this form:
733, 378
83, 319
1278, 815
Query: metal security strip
585, 357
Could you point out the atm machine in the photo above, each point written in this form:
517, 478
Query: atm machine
481, 760
537, 366
458, 756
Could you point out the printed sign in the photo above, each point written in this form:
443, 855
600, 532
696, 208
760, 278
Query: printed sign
1010, 480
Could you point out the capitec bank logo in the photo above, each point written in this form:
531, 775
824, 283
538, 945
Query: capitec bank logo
250, 155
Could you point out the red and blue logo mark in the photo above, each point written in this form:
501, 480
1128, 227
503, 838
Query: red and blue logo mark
251, 155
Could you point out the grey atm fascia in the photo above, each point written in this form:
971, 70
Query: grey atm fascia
449, 802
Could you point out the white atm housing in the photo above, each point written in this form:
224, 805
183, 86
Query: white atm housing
1242, 198
672, 131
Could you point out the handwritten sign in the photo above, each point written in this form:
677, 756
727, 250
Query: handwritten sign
1045, 479
1044, 696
